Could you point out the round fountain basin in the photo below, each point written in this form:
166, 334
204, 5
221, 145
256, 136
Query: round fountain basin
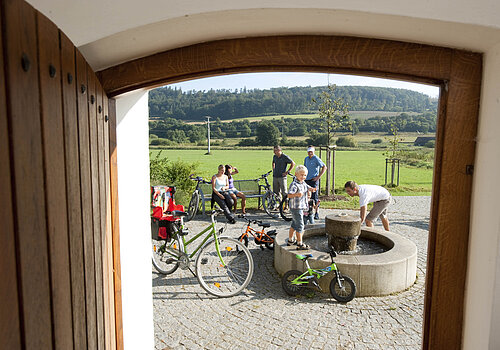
375, 274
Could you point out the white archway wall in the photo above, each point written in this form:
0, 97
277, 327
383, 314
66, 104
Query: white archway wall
132, 136
482, 302
217, 25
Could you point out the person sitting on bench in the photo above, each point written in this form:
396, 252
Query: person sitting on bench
220, 185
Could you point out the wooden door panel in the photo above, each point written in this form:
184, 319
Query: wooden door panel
27, 167
86, 199
72, 159
10, 332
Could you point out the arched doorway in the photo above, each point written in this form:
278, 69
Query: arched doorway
457, 72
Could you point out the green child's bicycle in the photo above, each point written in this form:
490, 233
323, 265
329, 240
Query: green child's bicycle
342, 287
224, 266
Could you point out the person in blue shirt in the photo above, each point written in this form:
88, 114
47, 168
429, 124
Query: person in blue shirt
316, 168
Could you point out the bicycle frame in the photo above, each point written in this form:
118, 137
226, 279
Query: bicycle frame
260, 235
311, 273
213, 233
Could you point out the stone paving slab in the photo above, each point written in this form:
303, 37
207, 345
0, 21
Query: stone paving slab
264, 317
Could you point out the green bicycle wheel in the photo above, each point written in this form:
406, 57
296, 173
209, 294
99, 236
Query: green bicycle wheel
345, 293
289, 287
165, 255
230, 278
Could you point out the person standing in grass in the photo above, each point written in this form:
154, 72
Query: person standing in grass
378, 195
298, 204
280, 163
316, 168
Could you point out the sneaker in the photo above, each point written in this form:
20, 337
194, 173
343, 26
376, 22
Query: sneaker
290, 242
316, 216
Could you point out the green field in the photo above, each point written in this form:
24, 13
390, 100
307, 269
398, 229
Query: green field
364, 167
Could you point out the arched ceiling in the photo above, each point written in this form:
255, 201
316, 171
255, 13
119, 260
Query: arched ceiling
115, 31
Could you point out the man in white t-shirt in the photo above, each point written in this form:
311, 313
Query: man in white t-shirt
378, 195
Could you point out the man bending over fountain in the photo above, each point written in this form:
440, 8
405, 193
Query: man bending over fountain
379, 196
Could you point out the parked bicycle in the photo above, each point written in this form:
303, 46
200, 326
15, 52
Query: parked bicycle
342, 287
224, 266
194, 203
270, 201
260, 237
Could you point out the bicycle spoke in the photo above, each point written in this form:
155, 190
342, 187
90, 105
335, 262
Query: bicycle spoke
229, 277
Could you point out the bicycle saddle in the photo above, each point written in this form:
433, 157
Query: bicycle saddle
265, 224
304, 256
178, 213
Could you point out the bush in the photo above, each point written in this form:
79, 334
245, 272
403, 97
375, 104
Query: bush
173, 173
247, 142
346, 141
376, 141
430, 144
160, 142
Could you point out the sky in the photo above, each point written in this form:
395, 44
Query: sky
271, 80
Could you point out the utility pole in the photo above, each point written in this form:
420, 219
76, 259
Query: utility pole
208, 133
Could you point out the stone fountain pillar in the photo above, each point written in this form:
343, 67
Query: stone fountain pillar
343, 231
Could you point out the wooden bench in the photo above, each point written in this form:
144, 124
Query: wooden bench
250, 188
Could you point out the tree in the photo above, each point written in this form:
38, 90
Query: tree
333, 111
267, 134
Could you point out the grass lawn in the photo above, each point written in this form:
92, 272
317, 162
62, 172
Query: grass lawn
364, 167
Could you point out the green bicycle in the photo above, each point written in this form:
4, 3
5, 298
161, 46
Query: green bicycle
342, 288
224, 266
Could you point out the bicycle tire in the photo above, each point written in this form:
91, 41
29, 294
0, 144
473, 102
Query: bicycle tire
285, 214
344, 294
270, 246
224, 281
165, 255
193, 206
288, 287
270, 202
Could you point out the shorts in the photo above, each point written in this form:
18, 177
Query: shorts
232, 190
379, 210
297, 219
279, 185
314, 195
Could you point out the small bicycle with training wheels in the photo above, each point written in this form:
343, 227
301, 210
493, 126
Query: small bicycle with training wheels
342, 288
224, 266
260, 237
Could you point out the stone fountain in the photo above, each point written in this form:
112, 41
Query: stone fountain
392, 269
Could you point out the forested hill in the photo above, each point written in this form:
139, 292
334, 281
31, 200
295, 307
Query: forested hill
227, 104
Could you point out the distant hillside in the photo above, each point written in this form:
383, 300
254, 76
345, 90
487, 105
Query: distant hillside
167, 102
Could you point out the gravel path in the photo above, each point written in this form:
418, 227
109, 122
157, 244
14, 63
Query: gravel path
264, 317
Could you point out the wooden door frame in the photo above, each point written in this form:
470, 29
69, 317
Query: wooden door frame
457, 72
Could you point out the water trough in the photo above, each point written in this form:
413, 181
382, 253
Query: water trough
391, 271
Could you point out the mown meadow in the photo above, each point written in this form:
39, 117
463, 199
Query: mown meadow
364, 167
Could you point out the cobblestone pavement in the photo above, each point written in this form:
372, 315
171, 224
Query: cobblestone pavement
264, 317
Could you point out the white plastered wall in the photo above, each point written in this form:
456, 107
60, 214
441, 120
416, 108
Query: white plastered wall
132, 136
482, 296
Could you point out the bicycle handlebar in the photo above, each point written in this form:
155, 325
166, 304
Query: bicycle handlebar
199, 179
266, 174
250, 221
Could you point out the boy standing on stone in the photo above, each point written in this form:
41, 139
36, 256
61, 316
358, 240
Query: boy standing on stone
297, 193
